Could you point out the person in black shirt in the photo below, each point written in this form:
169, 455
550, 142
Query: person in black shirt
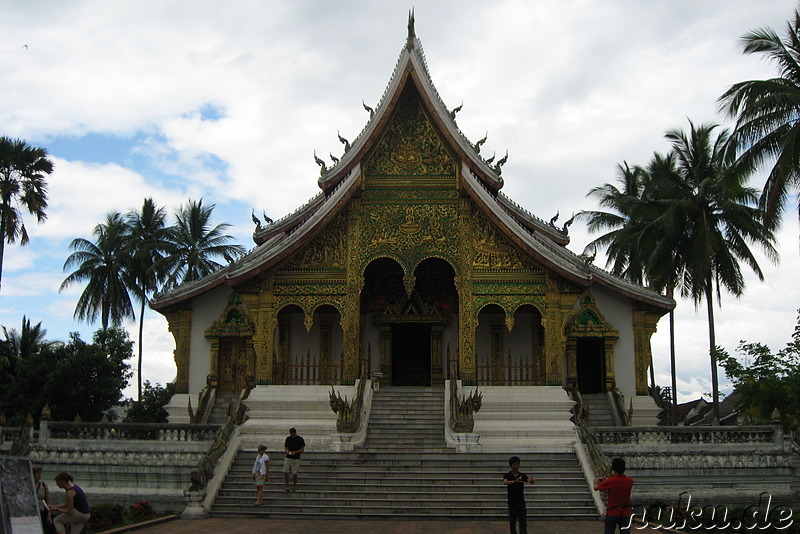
293, 446
515, 485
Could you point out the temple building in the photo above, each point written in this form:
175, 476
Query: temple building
412, 267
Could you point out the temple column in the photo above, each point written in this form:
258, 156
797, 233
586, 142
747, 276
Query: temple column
179, 323
437, 378
538, 355
467, 315
385, 350
351, 349
325, 344
608, 351
497, 349
644, 326
284, 349
260, 303
572, 363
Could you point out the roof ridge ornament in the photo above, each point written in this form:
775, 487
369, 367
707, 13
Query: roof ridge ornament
322, 167
412, 36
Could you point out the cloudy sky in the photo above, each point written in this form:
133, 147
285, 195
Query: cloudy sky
228, 101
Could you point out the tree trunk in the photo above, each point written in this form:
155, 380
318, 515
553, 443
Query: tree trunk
2, 243
674, 408
712, 350
141, 331
674, 383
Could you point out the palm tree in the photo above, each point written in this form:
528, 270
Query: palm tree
710, 219
147, 242
767, 111
635, 245
22, 188
27, 341
103, 265
194, 245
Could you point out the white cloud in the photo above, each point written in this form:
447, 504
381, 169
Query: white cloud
569, 88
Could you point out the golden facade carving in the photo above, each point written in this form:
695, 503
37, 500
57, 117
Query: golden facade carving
644, 326
326, 251
410, 146
180, 325
233, 358
492, 250
410, 208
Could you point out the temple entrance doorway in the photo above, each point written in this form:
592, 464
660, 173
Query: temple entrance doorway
411, 355
232, 368
591, 364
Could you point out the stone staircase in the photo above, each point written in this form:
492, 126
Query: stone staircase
405, 470
219, 413
599, 409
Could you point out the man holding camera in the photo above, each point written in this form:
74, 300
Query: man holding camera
618, 486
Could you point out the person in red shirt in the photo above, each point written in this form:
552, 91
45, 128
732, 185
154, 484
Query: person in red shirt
618, 509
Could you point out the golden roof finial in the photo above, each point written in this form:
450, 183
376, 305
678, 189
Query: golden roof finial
412, 36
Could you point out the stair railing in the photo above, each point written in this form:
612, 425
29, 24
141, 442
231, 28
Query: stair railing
348, 414
352, 417
216, 462
459, 417
622, 417
205, 403
579, 411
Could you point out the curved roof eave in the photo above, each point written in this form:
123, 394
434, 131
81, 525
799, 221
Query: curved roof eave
558, 258
270, 252
287, 222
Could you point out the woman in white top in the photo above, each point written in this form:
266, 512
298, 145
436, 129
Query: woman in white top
261, 473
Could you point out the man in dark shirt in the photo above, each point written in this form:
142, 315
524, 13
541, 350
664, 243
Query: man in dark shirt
294, 445
515, 485
618, 509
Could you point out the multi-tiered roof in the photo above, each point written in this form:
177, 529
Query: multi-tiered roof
481, 181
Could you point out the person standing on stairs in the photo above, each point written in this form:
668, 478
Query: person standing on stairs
293, 446
261, 473
515, 484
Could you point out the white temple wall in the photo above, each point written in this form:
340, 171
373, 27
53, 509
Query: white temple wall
618, 312
206, 309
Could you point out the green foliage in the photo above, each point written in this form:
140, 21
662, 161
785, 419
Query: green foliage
73, 378
141, 511
151, 408
105, 516
23, 187
766, 381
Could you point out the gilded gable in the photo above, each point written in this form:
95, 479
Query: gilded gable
410, 145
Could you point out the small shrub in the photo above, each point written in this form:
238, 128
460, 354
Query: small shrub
105, 516
141, 511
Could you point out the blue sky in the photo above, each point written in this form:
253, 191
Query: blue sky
228, 101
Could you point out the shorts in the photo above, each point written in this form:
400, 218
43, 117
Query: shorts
291, 465
260, 481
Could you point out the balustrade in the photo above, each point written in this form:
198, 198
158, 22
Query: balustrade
131, 431
508, 371
685, 435
310, 370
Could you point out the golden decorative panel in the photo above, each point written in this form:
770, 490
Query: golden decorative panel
492, 249
328, 250
410, 146
410, 229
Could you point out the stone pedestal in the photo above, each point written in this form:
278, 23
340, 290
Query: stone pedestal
644, 410
195, 508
